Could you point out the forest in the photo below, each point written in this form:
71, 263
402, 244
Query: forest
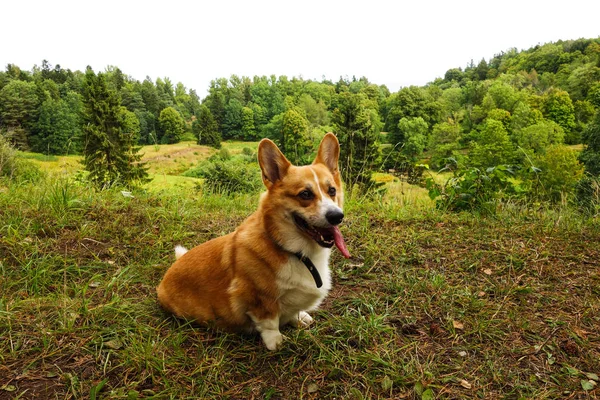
523, 109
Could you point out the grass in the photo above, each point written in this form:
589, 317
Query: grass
431, 304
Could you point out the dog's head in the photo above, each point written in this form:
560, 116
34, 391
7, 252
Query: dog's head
304, 203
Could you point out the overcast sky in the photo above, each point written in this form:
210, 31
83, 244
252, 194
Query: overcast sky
396, 43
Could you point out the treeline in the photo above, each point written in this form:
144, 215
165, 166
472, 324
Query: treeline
507, 110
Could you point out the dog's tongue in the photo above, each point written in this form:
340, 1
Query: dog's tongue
339, 242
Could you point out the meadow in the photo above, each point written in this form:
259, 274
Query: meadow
431, 305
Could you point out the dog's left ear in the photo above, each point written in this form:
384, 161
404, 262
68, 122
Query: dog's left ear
329, 153
272, 162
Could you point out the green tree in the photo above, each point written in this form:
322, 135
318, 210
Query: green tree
205, 128
357, 127
110, 155
444, 142
294, 136
590, 156
19, 104
558, 107
492, 146
539, 136
171, 125
414, 133
560, 172
248, 127
58, 128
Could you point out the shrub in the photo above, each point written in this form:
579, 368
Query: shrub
559, 173
228, 177
14, 168
475, 189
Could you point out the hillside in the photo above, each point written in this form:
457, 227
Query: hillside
431, 304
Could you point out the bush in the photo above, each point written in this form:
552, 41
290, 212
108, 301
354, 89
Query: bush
228, 177
14, 168
475, 189
559, 173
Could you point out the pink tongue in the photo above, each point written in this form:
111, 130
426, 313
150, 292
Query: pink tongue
339, 242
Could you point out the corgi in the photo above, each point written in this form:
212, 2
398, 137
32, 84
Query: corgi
273, 269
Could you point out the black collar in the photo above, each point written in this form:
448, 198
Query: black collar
311, 268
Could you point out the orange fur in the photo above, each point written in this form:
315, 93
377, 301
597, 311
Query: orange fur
250, 279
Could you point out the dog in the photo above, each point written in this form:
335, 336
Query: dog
273, 268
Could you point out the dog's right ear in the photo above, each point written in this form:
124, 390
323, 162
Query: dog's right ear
272, 162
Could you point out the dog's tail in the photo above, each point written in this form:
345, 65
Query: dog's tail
179, 251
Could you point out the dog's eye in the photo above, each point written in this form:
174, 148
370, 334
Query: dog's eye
306, 195
331, 191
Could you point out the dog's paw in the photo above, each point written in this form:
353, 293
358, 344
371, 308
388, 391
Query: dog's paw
272, 339
304, 319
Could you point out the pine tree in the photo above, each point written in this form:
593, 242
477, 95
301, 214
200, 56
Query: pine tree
205, 128
110, 155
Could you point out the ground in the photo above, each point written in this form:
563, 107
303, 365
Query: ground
431, 305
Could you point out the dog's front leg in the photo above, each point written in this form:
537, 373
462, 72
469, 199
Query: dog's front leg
269, 330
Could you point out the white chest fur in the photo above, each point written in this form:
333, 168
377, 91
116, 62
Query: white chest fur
297, 288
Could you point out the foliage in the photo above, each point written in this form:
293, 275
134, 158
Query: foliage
559, 173
444, 143
492, 146
228, 176
357, 128
475, 189
109, 150
171, 126
539, 136
412, 132
590, 156
14, 168
294, 140
205, 128
18, 110
58, 128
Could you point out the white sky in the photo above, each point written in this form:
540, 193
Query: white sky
396, 43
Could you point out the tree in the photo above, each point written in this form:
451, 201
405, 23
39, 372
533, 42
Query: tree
108, 142
171, 126
294, 136
539, 136
248, 128
58, 128
205, 128
19, 103
590, 156
413, 132
558, 107
443, 142
357, 128
492, 146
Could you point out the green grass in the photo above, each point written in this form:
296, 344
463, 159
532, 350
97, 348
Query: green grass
453, 306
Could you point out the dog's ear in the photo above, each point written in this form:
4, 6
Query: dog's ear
329, 153
272, 162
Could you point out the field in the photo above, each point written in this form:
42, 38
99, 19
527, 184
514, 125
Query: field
431, 305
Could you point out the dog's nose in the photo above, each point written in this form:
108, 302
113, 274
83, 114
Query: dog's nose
334, 217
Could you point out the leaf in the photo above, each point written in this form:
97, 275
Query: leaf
572, 371
387, 383
588, 385
312, 388
114, 344
9, 388
465, 384
487, 271
419, 388
458, 325
591, 376
428, 395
